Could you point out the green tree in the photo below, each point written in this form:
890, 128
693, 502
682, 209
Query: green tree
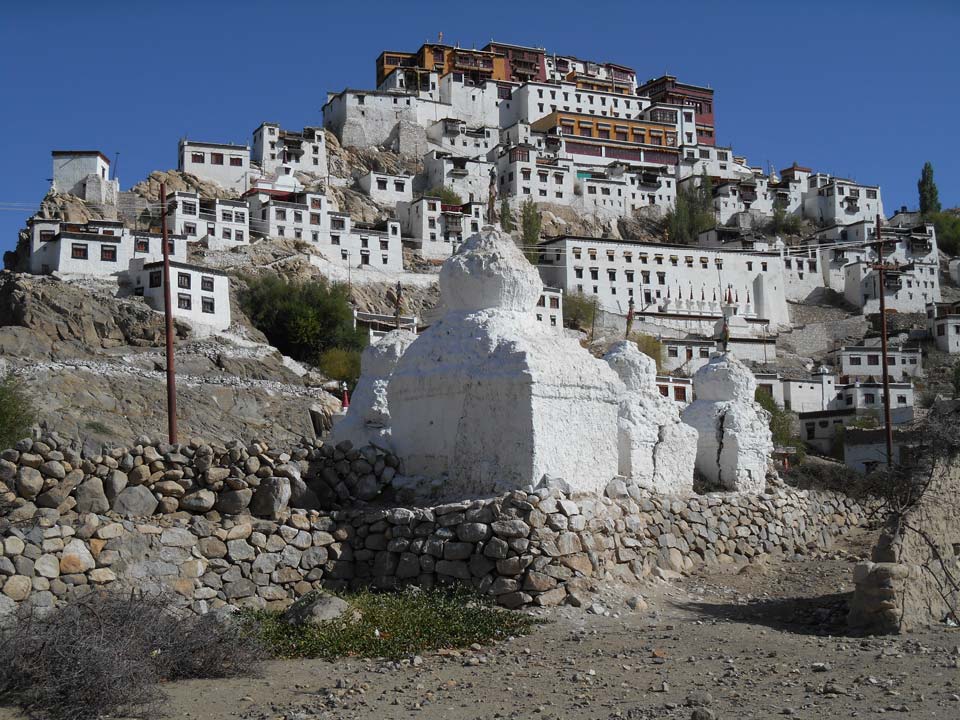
929, 197
530, 224
782, 223
651, 346
17, 412
579, 310
781, 421
341, 364
692, 212
302, 319
947, 226
506, 219
447, 195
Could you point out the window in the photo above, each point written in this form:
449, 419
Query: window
143, 244
206, 283
281, 214
108, 253
578, 273
901, 399
234, 162
334, 239
381, 184
78, 251
856, 361
873, 359
196, 158
227, 215
216, 158
156, 278
183, 280
869, 398
207, 305
314, 218
189, 208
227, 234
680, 394
398, 185
704, 352
673, 352
183, 301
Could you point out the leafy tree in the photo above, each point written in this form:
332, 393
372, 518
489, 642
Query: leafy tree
506, 219
692, 212
530, 224
340, 364
929, 197
651, 346
17, 412
579, 310
783, 223
447, 195
302, 319
781, 421
947, 226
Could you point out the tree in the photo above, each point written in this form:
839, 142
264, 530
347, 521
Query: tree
17, 413
692, 212
340, 364
782, 222
530, 223
929, 197
447, 196
781, 421
650, 346
579, 310
947, 226
506, 219
955, 381
302, 319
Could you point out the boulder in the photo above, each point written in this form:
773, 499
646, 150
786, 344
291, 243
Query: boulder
318, 607
91, 497
271, 497
135, 501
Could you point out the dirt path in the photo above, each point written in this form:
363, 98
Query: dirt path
751, 643
759, 642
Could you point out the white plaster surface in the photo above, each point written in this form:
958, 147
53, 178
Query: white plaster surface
734, 440
656, 449
367, 421
491, 398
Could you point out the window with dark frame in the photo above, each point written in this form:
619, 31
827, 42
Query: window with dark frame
184, 302
78, 251
183, 281
156, 278
207, 305
108, 253
206, 283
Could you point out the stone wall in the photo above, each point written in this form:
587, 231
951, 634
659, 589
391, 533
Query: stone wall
818, 338
913, 577
542, 547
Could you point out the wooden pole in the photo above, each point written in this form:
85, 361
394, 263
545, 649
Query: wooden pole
888, 427
168, 316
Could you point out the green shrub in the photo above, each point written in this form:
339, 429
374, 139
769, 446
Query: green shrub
302, 319
781, 422
447, 195
649, 345
506, 217
341, 364
947, 226
530, 224
579, 310
392, 625
692, 213
17, 412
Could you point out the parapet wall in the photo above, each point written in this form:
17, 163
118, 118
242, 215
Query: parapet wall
536, 548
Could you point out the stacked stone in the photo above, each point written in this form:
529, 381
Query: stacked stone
345, 473
52, 477
541, 547
875, 606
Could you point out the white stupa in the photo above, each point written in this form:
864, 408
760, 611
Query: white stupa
656, 449
734, 440
492, 399
367, 421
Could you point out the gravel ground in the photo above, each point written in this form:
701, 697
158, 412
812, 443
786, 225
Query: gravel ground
756, 641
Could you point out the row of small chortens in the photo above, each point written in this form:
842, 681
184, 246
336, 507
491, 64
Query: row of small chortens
489, 400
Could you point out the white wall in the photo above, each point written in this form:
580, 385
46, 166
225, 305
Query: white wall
226, 165
387, 189
197, 294
284, 152
864, 361
227, 222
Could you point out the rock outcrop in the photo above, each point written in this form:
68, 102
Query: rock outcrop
655, 447
734, 441
491, 398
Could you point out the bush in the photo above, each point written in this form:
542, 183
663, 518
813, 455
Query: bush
446, 195
530, 224
17, 413
649, 345
579, 310
781, 423
392, 625
947, 226
302, 319
692, 213
783, 223
105, 653
823, 476
506, 217
340, 364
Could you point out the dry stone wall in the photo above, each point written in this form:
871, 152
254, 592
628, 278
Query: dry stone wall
541, 547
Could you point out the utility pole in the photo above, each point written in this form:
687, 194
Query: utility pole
168, 316
626, 335
887, 426
399, 303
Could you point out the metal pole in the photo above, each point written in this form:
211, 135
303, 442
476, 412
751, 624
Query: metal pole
168, 316
888, 427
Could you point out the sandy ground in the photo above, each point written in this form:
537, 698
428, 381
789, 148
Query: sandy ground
755, 642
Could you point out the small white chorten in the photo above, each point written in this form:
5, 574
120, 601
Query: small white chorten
734, 431
657, 450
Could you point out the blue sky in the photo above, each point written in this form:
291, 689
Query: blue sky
862, 89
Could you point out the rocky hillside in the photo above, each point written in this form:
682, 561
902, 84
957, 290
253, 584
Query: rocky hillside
94, 367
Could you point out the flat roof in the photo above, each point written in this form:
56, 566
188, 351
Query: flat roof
186, 266
58, 153
227, 146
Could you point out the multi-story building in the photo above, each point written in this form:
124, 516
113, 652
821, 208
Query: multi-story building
534, 101
590, 140
286, 152
437, 228
589, 75
296, 215
943, 323
549, 310
385, 188
860, 361
467, 177
454, 137
225, 164
97, 247
86, 175
477, 66
666, 89
831, 200
681, 286
222, 223
524, 64
198, 294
